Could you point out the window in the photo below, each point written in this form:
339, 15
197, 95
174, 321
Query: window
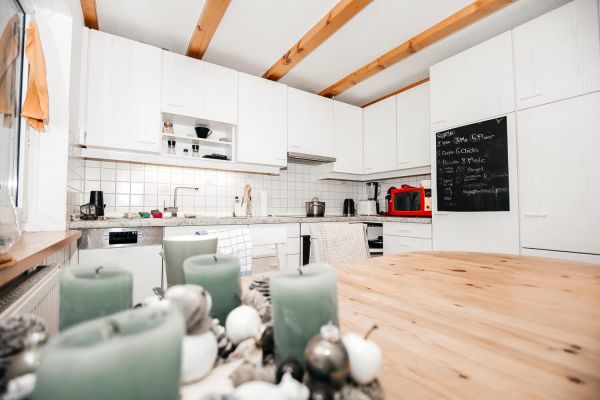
12, 22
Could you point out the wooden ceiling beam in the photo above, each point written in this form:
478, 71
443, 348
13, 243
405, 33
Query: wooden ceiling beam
395, 92
457, 21
327, 26
209, 20
90, 15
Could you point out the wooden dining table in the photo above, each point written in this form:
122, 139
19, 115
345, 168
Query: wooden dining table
473, 325
476, 325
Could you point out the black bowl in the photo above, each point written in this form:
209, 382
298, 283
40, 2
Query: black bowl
202, 132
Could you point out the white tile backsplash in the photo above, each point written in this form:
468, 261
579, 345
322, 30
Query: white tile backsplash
137, 187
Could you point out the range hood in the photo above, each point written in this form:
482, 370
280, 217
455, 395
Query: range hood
302, 158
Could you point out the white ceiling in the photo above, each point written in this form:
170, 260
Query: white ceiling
255, 33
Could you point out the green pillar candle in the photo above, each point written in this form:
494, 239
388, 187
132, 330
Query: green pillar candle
92, 291
179, 248
135, 354
220, 276
303, 301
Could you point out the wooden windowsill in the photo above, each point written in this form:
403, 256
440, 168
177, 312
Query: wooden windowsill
31, 248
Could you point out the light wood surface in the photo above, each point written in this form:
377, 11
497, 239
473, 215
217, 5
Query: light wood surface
477, 325
460, 19
32, 248
327, 26
395, 92
90, 15
209, 20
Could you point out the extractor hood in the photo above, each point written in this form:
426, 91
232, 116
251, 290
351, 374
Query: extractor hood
302, 158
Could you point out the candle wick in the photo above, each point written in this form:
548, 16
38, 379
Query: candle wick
300, 271
371, 331
97, 270
215, 257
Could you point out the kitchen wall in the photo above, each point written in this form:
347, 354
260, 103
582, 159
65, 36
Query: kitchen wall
136, 187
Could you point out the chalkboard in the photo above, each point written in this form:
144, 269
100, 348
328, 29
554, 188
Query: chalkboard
472, 167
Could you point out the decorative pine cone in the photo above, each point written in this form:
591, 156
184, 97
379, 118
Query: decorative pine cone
262, 284
15, 330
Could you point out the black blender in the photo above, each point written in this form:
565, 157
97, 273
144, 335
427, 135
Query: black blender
373, 193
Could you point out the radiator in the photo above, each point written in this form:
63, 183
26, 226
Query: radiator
36, 293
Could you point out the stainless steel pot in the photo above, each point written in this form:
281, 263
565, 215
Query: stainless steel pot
315, 208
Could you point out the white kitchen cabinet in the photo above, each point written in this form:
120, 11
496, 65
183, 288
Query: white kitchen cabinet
348, 138
262, 128
310, 123
199, 89
557, 55
144, 263
474, 85
123, 94
413, 128
559, 175
380, 136
491, 231
400, 244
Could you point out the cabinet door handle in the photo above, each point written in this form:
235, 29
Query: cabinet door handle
404, 244
532, 96
174, 105
535, 215
280, 158
293, 146
441, 213
438, 122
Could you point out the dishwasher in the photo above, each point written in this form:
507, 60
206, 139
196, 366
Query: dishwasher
136, 250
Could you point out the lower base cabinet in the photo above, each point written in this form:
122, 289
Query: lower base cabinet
400, 237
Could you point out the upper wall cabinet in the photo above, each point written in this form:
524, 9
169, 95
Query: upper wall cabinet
473, 85
413, 128
348, 138
262, 128
557, 55
199, 89
123, 93
380, 136
310, 123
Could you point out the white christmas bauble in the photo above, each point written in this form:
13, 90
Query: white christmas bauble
242, 323
365, 357
198, 355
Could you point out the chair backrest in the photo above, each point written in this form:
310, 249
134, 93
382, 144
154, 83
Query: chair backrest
235, 242
176, 249
333, 243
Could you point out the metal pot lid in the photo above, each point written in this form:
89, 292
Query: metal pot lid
315, 200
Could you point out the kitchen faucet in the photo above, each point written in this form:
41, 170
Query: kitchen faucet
174, 208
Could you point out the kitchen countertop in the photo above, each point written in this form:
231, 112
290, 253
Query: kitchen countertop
477, 325
200, 221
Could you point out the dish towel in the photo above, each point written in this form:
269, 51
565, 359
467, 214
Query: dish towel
9, 51
236, 242
334, 243
35, 107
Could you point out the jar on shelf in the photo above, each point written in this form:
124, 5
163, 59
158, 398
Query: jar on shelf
168, 128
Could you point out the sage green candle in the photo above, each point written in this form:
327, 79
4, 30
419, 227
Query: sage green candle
179, 248
302, 303
93, 291
135, 354
220, 276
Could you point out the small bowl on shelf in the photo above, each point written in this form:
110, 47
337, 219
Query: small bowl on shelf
202, 132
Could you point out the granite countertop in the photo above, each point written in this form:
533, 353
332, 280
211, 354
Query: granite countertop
199, 221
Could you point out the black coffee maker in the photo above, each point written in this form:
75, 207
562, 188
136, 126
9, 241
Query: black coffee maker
349, 208
97, 199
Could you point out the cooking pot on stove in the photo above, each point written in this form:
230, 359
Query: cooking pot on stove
315, 208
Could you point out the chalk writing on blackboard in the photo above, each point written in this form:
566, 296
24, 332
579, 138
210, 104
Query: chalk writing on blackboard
472, 167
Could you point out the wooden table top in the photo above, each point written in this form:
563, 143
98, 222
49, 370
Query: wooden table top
474, 326
31, 248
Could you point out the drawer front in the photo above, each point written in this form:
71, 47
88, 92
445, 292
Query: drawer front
264, 250
267, 234
293, 246
407, 229
264, 264
190, 230
399, 244
293, 230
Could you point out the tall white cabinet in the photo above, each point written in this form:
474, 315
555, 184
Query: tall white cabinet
557, 55
472, 86
348, 138
122, 100
262, 128
413, 128
380, 136
310, 123
559, 175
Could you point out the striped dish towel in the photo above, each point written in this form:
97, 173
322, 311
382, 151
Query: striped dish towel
333, 243
235, 242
